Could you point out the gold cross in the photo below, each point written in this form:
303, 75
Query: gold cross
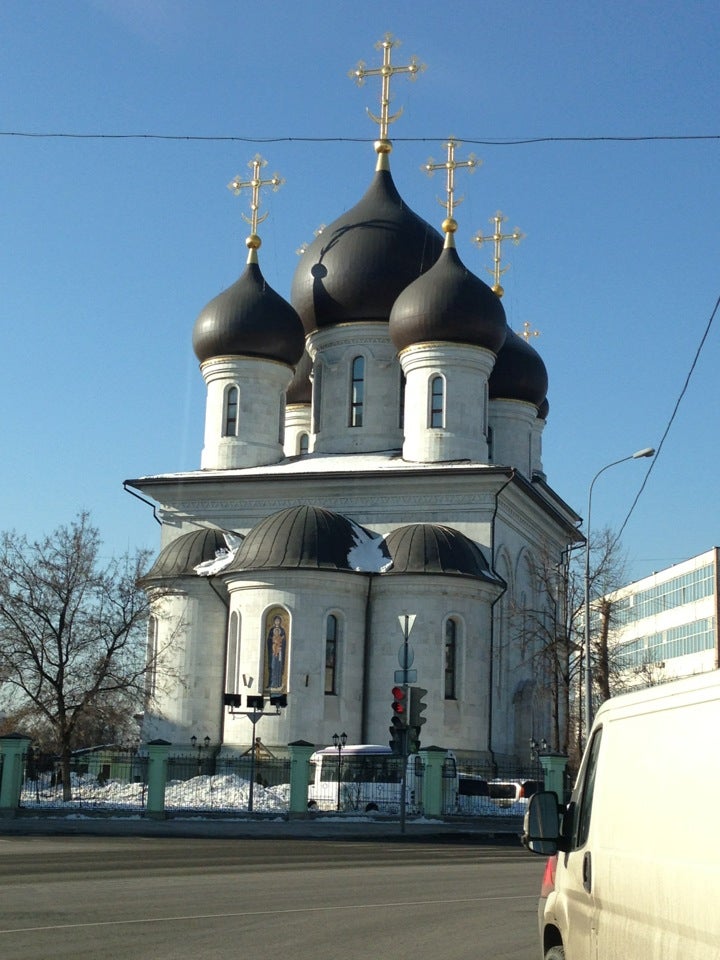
451, 165
386, 71
497, 237
237, 184
527, 332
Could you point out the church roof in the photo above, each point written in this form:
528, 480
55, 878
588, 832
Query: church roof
249, 319
182, 555
302, 536
435, 548
519, 373
300, 388
448, 303
356, 267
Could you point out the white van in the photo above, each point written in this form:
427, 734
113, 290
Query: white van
634, 869
370, 779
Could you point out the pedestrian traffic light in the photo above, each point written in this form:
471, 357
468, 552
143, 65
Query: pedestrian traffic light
416, 708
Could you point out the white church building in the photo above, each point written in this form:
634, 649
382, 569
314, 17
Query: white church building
372, 450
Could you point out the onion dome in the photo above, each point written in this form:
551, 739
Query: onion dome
249, 319
543, 410
519, 372
303, 536
355, 268
448, 303
300, 388
180, 557
434, 548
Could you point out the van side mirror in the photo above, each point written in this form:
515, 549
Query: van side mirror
541, 826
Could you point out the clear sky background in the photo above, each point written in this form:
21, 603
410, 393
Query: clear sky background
111, 246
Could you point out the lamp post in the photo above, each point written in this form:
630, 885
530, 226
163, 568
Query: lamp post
339, 742
645, 452
195, 743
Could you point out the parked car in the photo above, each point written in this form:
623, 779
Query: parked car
505, 793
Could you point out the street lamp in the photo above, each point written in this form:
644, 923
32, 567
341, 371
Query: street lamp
339, 742
639, 454
195, 743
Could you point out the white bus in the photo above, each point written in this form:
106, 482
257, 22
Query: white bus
369, 780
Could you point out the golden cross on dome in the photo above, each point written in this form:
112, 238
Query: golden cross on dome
449, 225
237, 184
527, 332
386, 71
497, 238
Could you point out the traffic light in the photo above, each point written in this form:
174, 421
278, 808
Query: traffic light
255, 703
398, 721
279, 700
415, 718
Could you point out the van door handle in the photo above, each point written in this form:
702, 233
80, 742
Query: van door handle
587, 872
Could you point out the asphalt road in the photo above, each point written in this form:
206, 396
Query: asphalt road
132, 898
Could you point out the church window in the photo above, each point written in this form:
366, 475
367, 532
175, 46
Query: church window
451, 656
490, 443
316, 397
437, 402
232, 675
230, 417
402, 399
304, 444
152, 654
332, 632
357, 392
281, 421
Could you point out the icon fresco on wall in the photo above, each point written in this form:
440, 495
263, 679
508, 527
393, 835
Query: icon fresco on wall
277, 642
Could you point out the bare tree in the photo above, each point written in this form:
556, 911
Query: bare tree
72, 635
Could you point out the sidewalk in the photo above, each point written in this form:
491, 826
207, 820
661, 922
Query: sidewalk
321, 827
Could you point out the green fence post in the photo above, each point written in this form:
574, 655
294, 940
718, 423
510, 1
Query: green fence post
157, 778
553, 767
434, 758
300, 753
12, 747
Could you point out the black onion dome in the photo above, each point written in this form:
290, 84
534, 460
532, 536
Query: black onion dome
180, 557
519, 372
544, 410
300, 388
434, 548
355, 268
298, 537
448, 303
249, 319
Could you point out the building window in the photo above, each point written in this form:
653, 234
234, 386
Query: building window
357, 392
490, 444
304, 444
331, 654
451, 639
230, 419
281, 421
152, 657
403, 382
316, 397
232, 675
437, 402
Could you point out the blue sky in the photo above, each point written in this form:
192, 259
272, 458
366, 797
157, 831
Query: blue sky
111, 246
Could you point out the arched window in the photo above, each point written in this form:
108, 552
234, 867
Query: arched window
332, 639
357, 392
230, 416
490, 443
451, 652
402, 399
304, 445
281, 420
316, 397
437, 402
232, 675
152, 656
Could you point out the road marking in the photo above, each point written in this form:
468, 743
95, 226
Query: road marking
260, 913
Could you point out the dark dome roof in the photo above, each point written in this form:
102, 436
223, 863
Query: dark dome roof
357, 266
180, 557
448, 303
544, 409
298, 537
249, 319
300, 388
519, 372
434, 548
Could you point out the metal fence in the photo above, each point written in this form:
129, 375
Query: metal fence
229, 784
484, 788
366, 784
114, 779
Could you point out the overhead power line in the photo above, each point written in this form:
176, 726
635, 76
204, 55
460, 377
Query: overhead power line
493, 142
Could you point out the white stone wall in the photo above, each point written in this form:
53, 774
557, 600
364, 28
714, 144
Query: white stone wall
262, 385
334, 350
514, 437
465, 370
297, 422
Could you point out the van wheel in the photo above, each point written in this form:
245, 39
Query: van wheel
555, 953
